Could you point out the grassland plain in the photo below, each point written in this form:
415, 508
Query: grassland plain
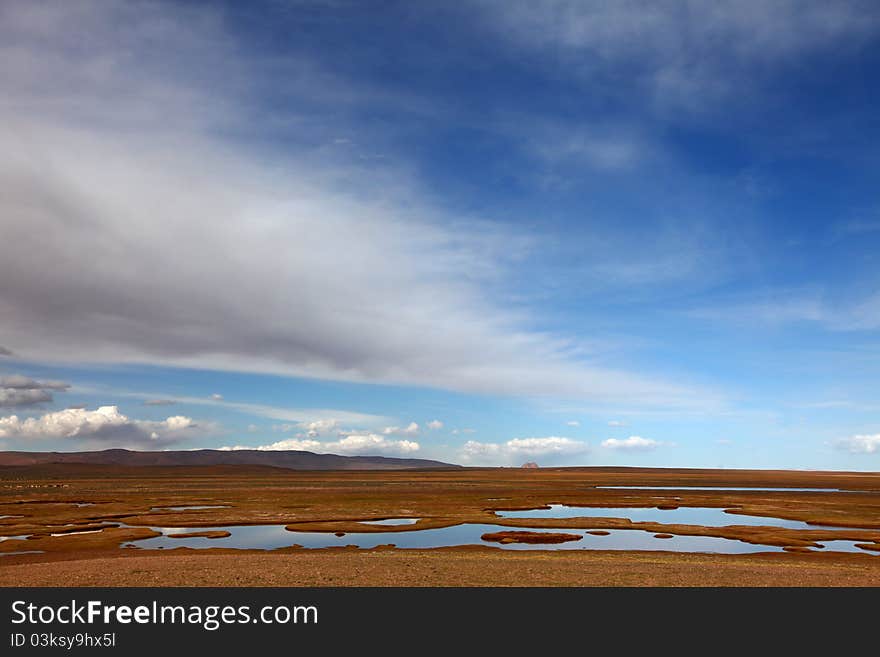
54, 504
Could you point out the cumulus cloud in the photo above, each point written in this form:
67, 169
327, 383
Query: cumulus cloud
631, 444
860, 443
365, 270
434, 425
517, 448
217, 397
412, 429
318, 427
18, 390
363, 444
105, 425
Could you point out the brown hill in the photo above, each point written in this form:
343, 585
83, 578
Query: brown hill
291, 460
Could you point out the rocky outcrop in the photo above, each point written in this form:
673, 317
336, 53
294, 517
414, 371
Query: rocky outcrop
530, 465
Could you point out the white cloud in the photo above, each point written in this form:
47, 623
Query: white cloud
616, 423
412, 429
317, 428
860, 443
365, 270
434, 425
631, 444
217, 397
573, 423
104, 425
551, 446
351, 444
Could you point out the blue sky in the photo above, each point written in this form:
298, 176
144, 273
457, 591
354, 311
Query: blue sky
486, 232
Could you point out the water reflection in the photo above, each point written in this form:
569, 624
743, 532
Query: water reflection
269, 537
725, 488
190, 508
683, 515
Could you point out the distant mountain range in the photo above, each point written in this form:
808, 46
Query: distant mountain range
291, 460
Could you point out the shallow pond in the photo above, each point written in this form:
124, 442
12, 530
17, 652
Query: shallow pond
189, 508
269, 537
723, 488
683, 515
393, 522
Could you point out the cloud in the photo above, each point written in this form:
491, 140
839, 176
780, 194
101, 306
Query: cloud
517, 448
573, 423
318, 427
23, 382
4, 351
616, 423
293, 415
412, 429
434, 425
784, 307
217, 397
686, 55
14, 397
631, 444
18, 390
351, 444
105, 425
159, 402
365, 268
860, 444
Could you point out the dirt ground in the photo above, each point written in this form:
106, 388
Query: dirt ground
46, 500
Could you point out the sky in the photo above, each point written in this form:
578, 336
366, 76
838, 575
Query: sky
485, 232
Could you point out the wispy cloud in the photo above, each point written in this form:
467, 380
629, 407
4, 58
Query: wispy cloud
784, 307
682, 55
365, 271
